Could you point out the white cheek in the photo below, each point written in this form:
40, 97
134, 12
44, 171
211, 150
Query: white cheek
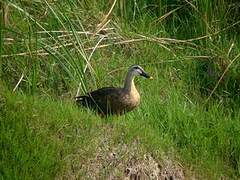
139, 71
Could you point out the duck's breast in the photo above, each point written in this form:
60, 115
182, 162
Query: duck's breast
131, 100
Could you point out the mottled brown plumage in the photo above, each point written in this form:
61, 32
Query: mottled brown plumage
112, 100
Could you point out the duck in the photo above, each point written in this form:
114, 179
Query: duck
115, 100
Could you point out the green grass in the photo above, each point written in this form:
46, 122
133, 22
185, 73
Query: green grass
38, 135
188, 113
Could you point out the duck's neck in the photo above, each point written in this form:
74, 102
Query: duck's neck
129, 82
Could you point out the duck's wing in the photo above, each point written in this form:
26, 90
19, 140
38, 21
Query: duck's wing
100, 98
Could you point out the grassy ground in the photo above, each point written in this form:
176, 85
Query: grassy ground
187, 124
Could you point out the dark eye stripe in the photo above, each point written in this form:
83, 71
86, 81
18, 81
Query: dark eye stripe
136, 67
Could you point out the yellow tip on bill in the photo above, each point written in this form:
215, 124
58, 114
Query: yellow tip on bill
151, 77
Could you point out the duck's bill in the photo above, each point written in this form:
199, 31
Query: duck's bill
144, 74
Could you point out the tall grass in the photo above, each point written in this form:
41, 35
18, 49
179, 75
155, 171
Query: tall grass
64, 46
64, 40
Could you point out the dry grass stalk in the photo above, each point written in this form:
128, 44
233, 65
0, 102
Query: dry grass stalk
106, 20
19, 81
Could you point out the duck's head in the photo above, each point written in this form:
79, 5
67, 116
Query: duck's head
137, 70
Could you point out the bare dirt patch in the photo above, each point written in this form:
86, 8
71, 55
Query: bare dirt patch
130, 162
111, 160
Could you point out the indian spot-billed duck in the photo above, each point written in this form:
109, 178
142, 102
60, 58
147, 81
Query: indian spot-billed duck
115, 100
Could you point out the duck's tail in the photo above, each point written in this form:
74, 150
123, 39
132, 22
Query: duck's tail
83, 100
